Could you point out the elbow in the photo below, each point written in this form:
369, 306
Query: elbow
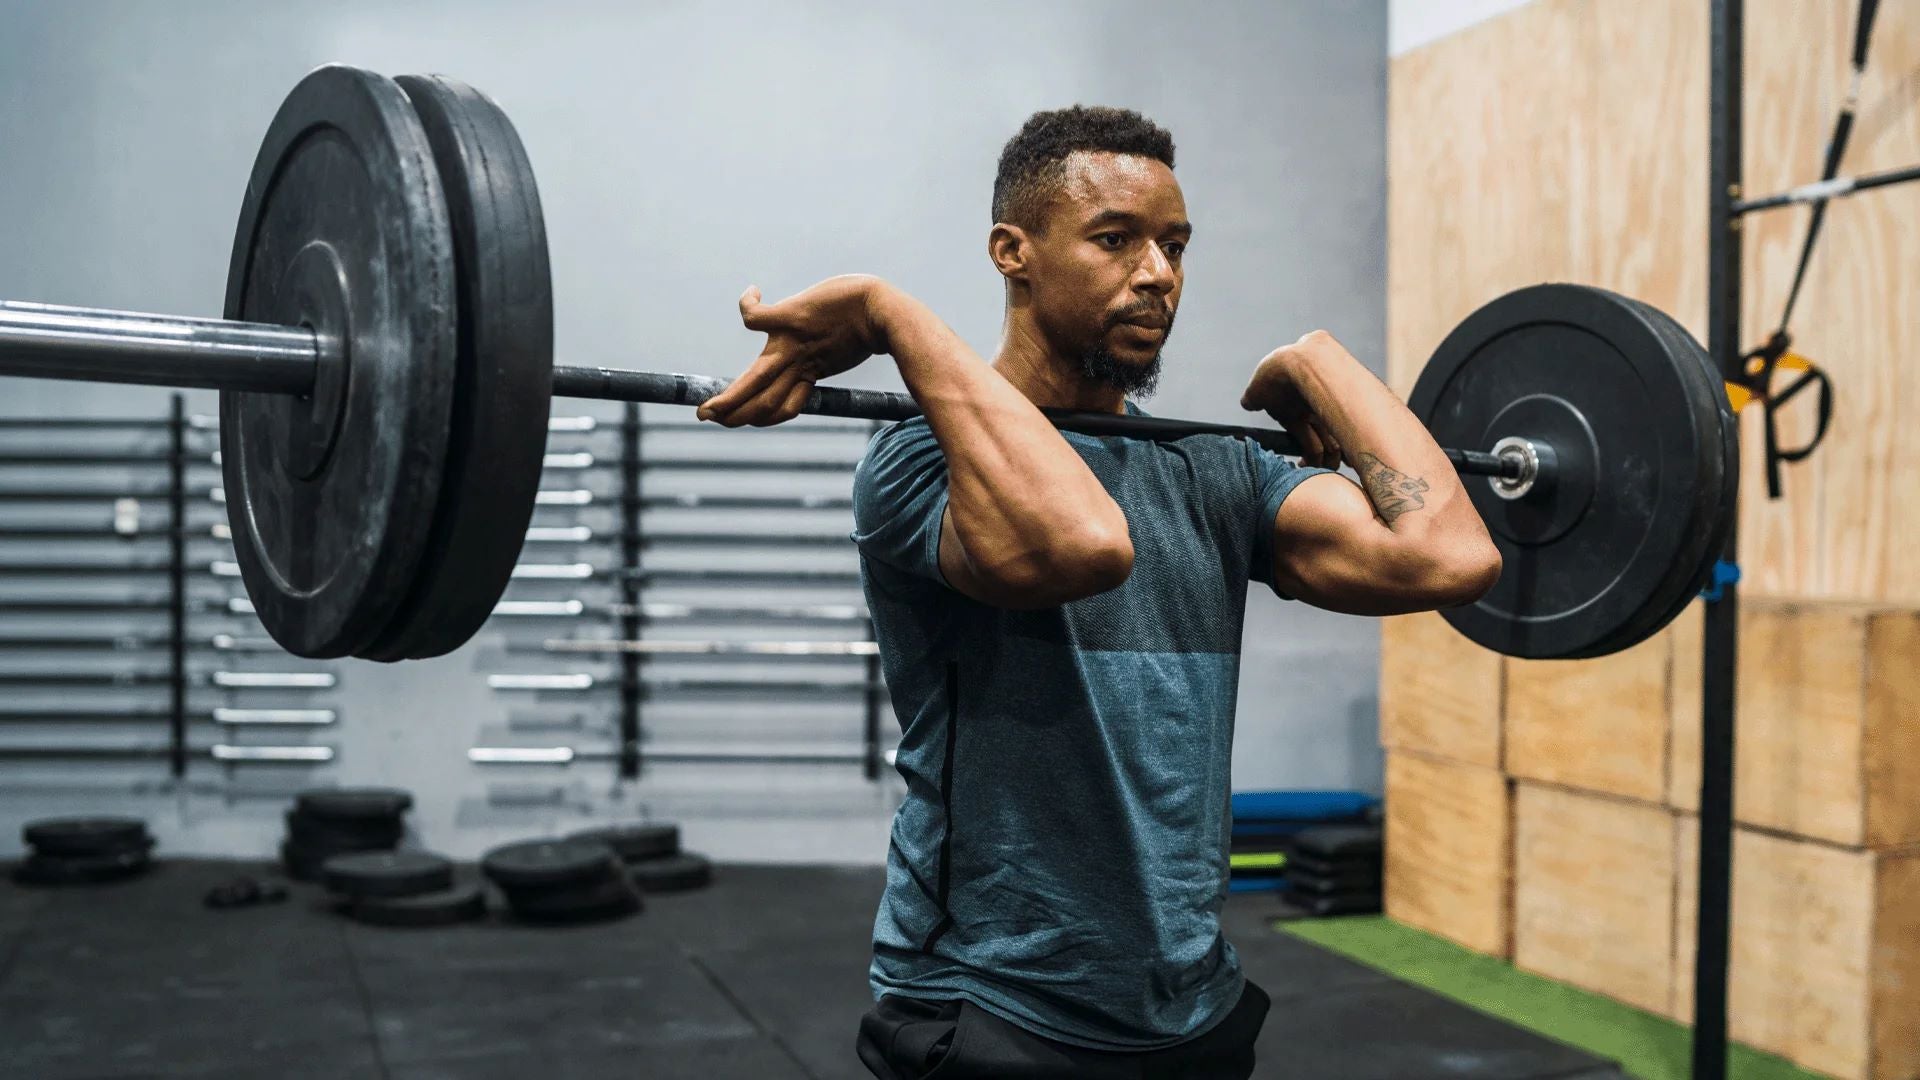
1092, 561
1467, 576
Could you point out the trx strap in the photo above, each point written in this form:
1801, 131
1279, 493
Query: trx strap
1760, 363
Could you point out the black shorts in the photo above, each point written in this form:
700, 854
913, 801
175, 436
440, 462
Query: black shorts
909, 1039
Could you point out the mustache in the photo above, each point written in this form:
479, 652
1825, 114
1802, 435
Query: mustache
1146, 311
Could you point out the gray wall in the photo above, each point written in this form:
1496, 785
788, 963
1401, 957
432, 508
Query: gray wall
684, 151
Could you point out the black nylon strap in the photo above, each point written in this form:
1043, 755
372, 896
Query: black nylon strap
1836, 152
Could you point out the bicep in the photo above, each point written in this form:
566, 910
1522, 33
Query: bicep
1332, 551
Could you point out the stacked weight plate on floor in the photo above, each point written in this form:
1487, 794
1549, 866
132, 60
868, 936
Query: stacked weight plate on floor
403, 227
652, 855
401, 888
1334, 869
84, 850
325, 822
1626, 526
561, 881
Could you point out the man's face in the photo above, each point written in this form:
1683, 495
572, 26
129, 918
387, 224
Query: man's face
1106, 273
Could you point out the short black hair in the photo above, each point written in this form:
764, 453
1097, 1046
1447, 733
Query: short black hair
1033, 164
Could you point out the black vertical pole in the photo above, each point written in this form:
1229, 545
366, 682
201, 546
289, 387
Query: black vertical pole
1723, 609
177, 573
872, 697
630, 591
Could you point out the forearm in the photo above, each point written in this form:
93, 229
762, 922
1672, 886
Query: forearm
1016, 490
1414, 489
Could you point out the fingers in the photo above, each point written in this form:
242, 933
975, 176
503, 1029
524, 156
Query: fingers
769, 404
755, 315
765, 369
1331, 453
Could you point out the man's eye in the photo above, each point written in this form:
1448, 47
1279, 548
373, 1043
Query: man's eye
1176, 249
1117, 238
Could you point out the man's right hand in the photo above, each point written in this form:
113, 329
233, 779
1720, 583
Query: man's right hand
814, 334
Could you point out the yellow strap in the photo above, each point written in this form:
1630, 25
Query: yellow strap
1256, 860
1741, 397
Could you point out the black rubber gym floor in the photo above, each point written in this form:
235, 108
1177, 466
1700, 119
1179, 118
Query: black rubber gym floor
761, 976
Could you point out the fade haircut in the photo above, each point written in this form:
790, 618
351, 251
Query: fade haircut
1033, 170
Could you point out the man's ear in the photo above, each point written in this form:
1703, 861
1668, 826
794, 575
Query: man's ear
1009, 247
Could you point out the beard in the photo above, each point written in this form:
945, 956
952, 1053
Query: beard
1132, 378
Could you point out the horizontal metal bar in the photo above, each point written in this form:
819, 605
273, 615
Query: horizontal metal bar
764, 577
521, 755
794, 613
133, 642
561, 534
565, 609
567, 755
1821, 190
667, 388
808, 427
92, 716
287, 754
545, 609
69, 606
62, 494
108, 532
560, 681
273, 680
579, 681
714, 648
274, 717
218, 752
226, 680
552, 571
750, 502
85, 423
762, 539
756, 465
228, 717
98, 345
65, 458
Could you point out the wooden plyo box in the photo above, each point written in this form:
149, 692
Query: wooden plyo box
1593, 889
1827, 728
1825, 951
1448, 857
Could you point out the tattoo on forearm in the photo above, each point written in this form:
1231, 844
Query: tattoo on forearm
1391, 491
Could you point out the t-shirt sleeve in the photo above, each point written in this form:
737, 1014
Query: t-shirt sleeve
1274, 478
899, 496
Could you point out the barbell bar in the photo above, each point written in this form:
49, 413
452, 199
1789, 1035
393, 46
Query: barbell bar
385, 367
136, 348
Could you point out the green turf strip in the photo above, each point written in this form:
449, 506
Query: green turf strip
1645, 1045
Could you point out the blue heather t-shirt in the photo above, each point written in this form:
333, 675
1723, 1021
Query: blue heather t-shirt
1060, 858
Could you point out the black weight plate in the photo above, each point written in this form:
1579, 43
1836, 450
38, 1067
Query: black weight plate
301, 862
344, 229
504, 379
1594, 559
635, 842
675, 873
360, 803
343, 834
1337, 842
81, 869
462, 903
549, 863
1715, 542
86, 835
614, 896
386, 873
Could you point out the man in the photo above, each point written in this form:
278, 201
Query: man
1059, 617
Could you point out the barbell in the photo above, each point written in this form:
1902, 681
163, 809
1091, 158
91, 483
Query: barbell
385, 374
